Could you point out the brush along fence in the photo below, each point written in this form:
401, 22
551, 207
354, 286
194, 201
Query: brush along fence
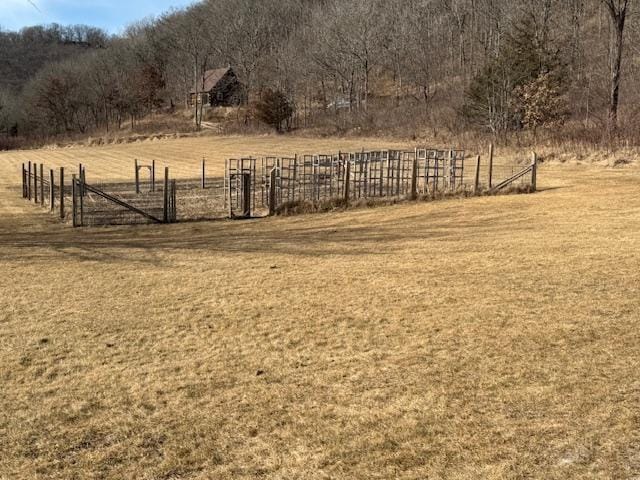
267, 185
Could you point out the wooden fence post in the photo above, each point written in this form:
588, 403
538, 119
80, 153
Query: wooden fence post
52, 193
165, 205
62, 193
272, 191
137, 175
534, 171
296, 191
347, 181
35, 183
246, 195
381, 173
42, 184
153, 175
230, 192
414, 177
74, 202
172, 201
398, 173
490, 166
174, 210
38, 183
24, 181
451, 171
204, 181
476, 187
313, 182
78, 176
340, 169
81, 183
79, 179
29, 181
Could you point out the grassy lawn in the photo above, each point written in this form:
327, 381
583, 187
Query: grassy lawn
492, 337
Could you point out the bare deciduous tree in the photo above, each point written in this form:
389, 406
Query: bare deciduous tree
618, 15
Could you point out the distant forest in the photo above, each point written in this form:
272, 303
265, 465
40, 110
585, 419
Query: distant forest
564, 69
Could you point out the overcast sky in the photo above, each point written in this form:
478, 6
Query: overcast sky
111, 15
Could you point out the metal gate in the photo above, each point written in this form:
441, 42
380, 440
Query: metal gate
240, 187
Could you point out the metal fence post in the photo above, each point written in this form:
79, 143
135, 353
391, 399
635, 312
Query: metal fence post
476, 187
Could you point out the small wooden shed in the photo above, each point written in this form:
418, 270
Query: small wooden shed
220, 88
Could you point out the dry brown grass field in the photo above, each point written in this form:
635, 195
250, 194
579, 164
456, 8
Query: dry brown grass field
491, 337
182, 156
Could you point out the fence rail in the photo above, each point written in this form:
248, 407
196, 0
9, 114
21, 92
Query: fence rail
265, 185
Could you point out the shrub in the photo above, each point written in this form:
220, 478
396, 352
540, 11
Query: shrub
541, 103
522, 87
275, 109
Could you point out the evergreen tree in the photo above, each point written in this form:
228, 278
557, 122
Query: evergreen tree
497, 97
275, 109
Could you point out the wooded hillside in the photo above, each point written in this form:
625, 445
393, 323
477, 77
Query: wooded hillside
569, 69
23, 53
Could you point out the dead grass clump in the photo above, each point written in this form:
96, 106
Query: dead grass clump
621, 162
335, 204
514, 189
299, 207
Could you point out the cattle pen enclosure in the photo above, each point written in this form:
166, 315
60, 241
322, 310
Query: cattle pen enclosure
256, 186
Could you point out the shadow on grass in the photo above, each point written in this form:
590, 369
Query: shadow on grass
549, 189
316, 235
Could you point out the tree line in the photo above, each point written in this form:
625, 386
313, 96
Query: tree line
496, 66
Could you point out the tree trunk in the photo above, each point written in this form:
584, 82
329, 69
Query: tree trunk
616, 64
197, 91
366, 85
618, 13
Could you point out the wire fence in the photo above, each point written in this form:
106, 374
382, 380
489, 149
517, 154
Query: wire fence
279, 181
265, 185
